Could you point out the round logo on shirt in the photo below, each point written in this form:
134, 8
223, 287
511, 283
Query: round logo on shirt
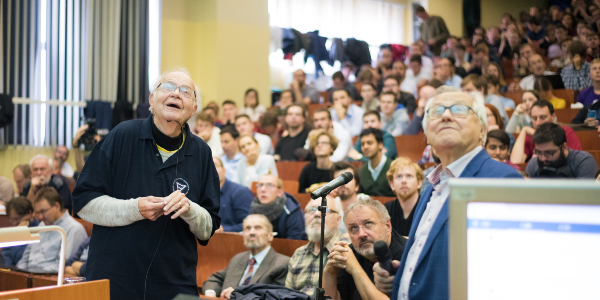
181, 185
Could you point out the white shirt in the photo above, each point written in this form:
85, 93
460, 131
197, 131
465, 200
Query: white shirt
215, 142
426, 65
409, 86
441, 190
375, 172
67, 170
259, 257
353, 120
265, 143
528, 81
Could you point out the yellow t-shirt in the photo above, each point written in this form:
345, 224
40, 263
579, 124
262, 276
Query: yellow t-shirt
558, 103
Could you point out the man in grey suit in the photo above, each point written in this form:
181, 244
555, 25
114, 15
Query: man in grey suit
260, 264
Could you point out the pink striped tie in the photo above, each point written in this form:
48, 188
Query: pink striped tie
249, 274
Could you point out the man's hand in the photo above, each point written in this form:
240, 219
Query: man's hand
69, 271
80, 131
514, 86
519, 110
295, 86
431, 42
226, 293
528, 130
340, 110
336, 258
420, 111
383, 281
591, 122
177, 201
577, 61
150, 207
221, 230
493, 127
77, 267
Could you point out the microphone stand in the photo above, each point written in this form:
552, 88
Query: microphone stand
320, 291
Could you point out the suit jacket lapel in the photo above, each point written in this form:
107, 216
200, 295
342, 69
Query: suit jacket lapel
470, 170
264, 266
240, 266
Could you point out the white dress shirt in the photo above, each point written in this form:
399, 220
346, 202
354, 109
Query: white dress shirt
441, 190
215, 142
259, 257
353, 120
265, 143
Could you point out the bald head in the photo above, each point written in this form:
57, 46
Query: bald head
426, 92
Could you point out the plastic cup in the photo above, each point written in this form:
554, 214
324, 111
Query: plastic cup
71, 280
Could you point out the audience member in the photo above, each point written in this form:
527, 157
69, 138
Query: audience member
476, 83
232, 157
41, 176
493, 69
511, 41
279, 207
493, 118
415, 74
260, 264
19, 211
589, 98
576, 76
497, 147
372, 174
76, 264
461, 56
286, 99
21, 174
348, 114
49, 209
368, 92
385, 60
554, 158
252, 108
405, 178
348, 273
245, 126
407, 100
536, 33
549, 39
493, 39
543, 86
7, 191
542, 112
253, 165
303, 92
425, 65
433, 30
270, 124
303, 270
563, 60
568, 22
537, 66
493, 85
213, 109
445, 73
479, 60
415, 126
297, 133
235, 201
521, 63
554, 50
393, 120
372, 119
347, 193
61, 154
460, 151
322, 121
230, 110
522, 115
322, 145
340, 83
207, 131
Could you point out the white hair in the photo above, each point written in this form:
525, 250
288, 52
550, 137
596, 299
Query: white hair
376, 206
162, 76
46, 157
478, 108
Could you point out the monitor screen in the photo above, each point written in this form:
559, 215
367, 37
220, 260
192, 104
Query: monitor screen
533, 251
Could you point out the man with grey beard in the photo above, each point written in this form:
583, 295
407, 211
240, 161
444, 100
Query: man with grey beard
303, 269
348, 273
41, 176
260, 264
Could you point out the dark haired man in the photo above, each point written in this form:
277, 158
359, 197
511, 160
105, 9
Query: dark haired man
407, 100
433, 30
340, 82
372, 119
542, 112
20, 213
230, 110
48, 208
554, 159
348, 114
373, 174
231, 158
297, 133
576, 76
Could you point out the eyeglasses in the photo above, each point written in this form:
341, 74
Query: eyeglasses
457, 110
269, 185
312, 209
186, 92
547, 153
356, 228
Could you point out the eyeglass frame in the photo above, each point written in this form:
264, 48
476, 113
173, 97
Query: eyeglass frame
363, 227
546, 153
177, 88
449, 108
313, 209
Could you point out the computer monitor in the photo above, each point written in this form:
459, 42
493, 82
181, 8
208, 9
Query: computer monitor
524, 239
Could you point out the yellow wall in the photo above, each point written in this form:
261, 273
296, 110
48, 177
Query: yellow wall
452, 13
10, 157
226, 45
492, 10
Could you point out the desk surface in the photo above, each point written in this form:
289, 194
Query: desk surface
92, 290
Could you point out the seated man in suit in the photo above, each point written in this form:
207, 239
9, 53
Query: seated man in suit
349, 271
372, 174
260, 264
456, 126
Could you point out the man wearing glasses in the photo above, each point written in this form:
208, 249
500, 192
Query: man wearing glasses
349, 270
455, 124
303, 270
151, 190
554, 159
279, 207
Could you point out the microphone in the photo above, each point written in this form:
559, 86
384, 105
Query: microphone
382, 251
339, 181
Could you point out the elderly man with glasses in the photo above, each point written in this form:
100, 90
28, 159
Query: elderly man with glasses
455, 124
151, 190
349, 270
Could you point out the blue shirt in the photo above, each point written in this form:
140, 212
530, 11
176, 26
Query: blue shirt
353, 120
454, 81
507, 102
12, 255
231, 166
126, 164
389, 143
235, 205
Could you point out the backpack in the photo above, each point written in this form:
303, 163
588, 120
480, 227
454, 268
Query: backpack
7, 110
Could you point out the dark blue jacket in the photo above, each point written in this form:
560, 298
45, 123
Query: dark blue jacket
60, 185
290, 224
430, 278
235, 205
156, 258
77, 256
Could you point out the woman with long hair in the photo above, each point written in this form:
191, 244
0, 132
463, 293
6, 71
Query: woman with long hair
251, 106
522, 115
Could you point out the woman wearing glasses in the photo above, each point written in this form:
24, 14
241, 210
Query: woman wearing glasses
321, 144
254, 164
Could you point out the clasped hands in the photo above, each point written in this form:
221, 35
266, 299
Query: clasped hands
152, 208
